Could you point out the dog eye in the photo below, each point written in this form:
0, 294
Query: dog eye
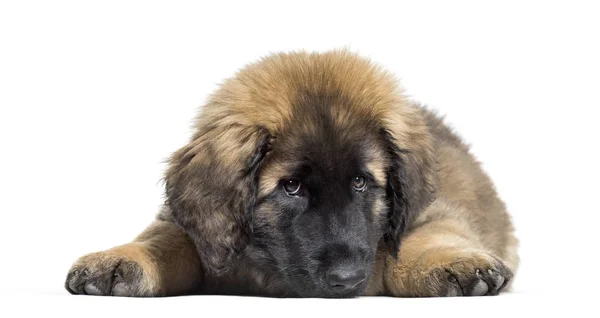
359, 184
292, 187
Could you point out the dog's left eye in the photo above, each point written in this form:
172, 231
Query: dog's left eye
359, 184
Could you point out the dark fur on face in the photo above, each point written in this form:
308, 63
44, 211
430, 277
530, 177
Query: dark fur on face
329, 225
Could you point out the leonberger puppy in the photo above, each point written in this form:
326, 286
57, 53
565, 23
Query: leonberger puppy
313, 175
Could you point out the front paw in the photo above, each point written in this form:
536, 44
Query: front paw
117, 272
470, 274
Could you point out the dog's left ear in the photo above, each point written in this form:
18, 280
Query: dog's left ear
411, 177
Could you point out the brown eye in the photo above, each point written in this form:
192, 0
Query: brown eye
359, 184
292, 187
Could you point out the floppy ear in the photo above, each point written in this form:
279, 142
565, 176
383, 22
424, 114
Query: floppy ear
411, 181
211, 187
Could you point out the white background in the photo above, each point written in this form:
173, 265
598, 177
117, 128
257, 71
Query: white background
94, 96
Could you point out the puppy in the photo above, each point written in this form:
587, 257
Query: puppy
312, 175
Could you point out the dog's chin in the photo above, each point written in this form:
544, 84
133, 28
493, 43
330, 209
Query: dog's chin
302, 289
324, 293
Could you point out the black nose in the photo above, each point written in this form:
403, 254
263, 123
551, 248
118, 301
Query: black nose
344, 279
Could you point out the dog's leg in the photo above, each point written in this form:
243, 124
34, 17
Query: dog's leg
161, 261
443, 257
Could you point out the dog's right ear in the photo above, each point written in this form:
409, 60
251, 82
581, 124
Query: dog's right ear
211, 186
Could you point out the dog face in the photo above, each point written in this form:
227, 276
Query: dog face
302, 165
322, 204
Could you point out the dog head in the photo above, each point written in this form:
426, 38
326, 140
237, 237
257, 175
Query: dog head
306, 164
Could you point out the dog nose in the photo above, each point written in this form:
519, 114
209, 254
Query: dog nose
343, 279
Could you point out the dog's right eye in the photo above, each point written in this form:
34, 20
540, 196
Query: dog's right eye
292, 187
